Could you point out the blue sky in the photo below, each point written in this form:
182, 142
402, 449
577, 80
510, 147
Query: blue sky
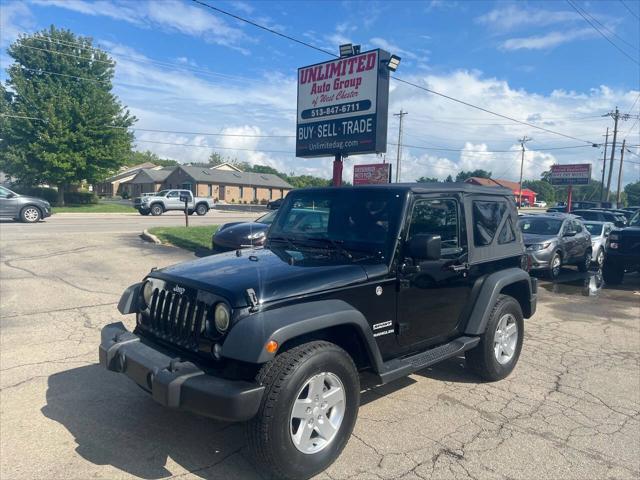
182, 67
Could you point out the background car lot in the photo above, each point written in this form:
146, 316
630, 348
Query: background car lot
571, 409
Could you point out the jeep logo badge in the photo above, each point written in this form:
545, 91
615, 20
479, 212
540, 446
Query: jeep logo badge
179, 290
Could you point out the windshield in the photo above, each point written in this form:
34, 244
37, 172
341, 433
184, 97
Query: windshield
594, 229
635, 220
351, 220
162, 193
540, 226
268, 218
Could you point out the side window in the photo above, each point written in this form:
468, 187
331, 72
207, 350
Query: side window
507, 235
437, 217
577, 227
173, 194
487, 216
4, 193
568, 228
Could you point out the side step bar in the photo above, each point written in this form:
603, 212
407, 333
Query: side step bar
401, 367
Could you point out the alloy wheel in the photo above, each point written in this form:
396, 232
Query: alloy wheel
317, 413
556, 262
505, 338
31, 214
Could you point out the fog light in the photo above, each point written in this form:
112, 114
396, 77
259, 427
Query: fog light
613, 245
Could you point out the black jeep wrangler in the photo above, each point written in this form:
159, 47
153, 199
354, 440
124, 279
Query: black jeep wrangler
380, 279
623, 252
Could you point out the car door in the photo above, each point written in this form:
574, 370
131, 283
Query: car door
583, 239
8, 203
432, 294
569, 241
172, 200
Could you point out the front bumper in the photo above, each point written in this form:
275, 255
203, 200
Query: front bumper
629, 261
177, 384
540, 258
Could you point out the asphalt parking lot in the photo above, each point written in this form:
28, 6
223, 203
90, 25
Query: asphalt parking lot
571, 409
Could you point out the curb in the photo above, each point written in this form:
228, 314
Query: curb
149, 237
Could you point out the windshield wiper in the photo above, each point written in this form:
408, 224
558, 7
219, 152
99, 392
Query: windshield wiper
286, 240
337, 244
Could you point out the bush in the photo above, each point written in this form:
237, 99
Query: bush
125, 195
263, 201
48, 194
80, 198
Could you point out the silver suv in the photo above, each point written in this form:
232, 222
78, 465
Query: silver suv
557, 239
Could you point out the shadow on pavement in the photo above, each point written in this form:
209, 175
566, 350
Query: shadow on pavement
116, 424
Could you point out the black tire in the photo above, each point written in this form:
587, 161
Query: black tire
157, 210
202, 209
554, 272
585, 263
30, 214
612, 273
269, 432
144, 212
482, 359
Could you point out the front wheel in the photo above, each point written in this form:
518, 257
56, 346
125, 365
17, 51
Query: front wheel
612, 274
555, 266
496, 355
30, 214
308, 411
157, 210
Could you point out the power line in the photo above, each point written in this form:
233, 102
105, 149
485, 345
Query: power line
22, 116
629, 9
635, 47
214, 147
34, 70
270, 30
250, 22
206, 134
600, 32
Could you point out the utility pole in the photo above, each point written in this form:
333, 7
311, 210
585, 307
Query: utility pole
522, 141
604, 165
616, 116
620, 173
399, 157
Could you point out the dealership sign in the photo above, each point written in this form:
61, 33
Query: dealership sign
372, 174
342, 106
575, 174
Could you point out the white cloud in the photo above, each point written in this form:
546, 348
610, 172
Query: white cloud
548, 40
172, 15
15, 18
512, 17
379, 42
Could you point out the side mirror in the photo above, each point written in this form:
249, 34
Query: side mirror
10, 195
425, 247
570, 233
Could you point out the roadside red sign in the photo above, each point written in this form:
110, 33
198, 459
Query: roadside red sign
573, 174
372, 174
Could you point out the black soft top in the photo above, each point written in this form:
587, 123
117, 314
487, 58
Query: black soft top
431, 188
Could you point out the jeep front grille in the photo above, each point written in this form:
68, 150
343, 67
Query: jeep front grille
176, 318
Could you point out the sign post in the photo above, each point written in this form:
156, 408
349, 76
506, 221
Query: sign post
342, 108
570, 175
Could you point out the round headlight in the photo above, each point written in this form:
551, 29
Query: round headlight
147, 293
222, 317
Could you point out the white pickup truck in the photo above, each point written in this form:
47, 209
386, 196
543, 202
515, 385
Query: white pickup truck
165, 200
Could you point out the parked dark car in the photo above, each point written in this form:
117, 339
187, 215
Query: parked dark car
274, 204
382, 280
554, 240
617, 219
22, 207
235, 235
623, 252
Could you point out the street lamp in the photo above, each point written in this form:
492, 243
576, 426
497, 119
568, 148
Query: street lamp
346, 50
393, 63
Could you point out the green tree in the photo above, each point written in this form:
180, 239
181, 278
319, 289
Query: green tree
545, 190
632, 190
463, 175
427, 180
137, 158
449, 179
75, 128
215, 159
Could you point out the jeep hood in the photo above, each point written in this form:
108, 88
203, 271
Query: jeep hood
273, 274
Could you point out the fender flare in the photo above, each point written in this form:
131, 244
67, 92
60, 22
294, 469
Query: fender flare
247, 339
488, 295
158, 202
202, 203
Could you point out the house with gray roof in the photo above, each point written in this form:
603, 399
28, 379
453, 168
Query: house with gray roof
148, 180
117, 184
230, 186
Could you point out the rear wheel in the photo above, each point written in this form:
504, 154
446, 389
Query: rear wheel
201, 209
496, 355
30, 214
584, 265
308, 411
156, 210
